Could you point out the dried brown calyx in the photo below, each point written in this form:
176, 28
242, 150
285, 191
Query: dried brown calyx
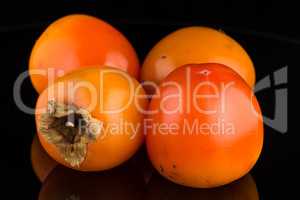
70, 129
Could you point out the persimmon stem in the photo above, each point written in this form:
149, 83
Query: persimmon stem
69, 124
70, 129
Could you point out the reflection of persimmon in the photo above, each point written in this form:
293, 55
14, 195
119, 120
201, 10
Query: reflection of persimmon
119, 183
78, 41
42, 164
91, 119
195, 45
242, 189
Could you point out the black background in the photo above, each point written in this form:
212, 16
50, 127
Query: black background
266, 29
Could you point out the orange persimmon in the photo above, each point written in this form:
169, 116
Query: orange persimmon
78, 41
91, 119
205, 127
195, 45
41, 163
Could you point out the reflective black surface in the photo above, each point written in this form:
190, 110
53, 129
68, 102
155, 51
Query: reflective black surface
273, 174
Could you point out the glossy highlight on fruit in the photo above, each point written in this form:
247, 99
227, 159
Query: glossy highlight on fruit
91, 119
205, 126
195, 45
75, 42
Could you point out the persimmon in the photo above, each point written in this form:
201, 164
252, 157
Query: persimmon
79, 41
42, 163
204, 127
195, 45
91, 119
244, 188
118, 183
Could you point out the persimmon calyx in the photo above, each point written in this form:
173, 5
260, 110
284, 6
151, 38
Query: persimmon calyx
70, 129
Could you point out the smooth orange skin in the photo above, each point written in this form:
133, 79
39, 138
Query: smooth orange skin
206, 159
78, 41
117, 183
42, 163
244, 188
196, 45
113, 148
